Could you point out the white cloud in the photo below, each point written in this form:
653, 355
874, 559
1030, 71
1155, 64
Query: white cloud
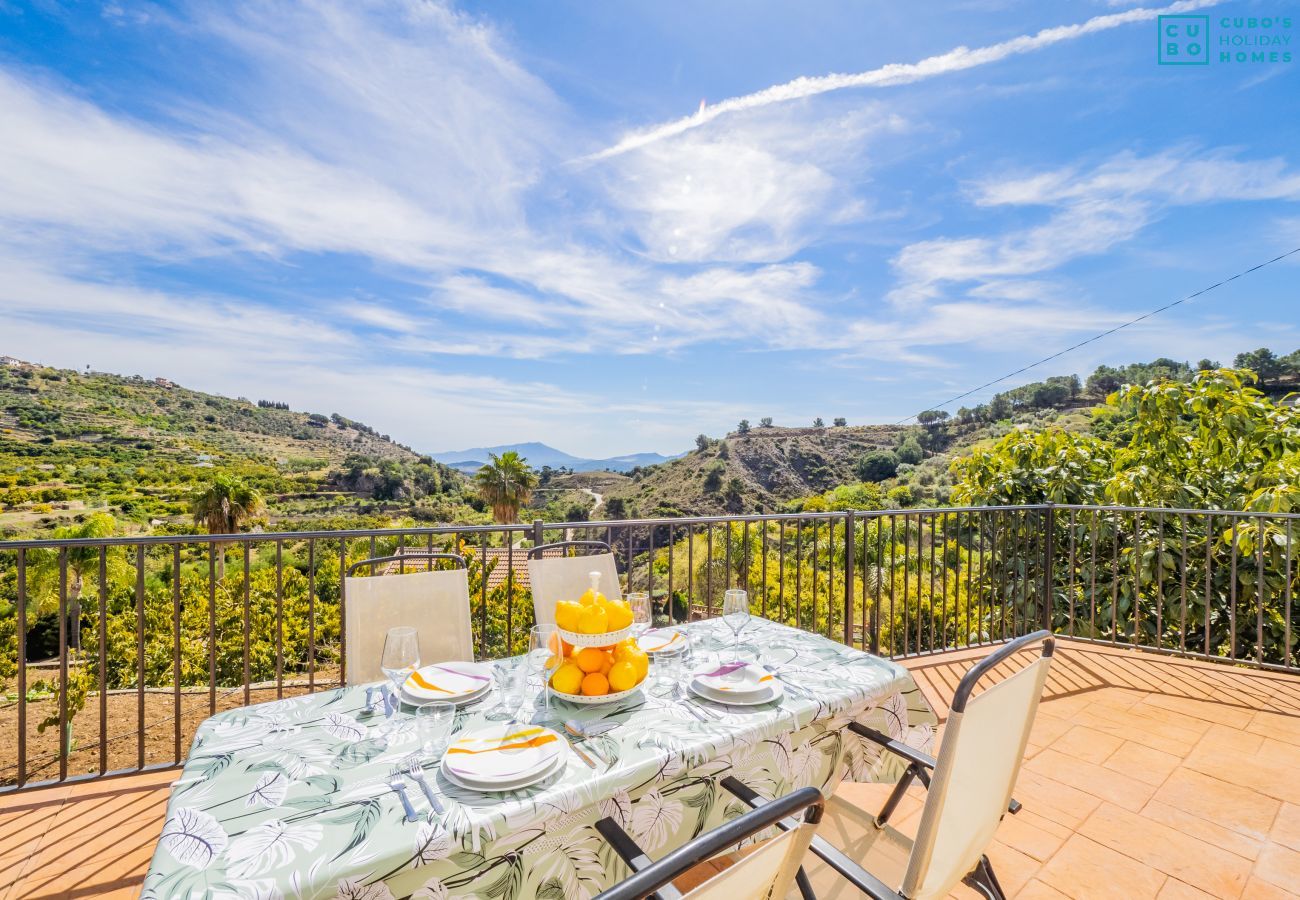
955, 60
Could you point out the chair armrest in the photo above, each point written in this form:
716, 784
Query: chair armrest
911, 754
630, 853
859, 877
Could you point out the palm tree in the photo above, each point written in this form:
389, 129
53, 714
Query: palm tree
223, 507
82, 564
505, 483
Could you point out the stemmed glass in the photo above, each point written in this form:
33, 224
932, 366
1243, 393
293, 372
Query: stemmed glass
401, 657
641, 614
735, 612
543, 647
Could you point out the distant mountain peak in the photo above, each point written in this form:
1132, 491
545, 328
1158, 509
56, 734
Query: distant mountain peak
538, 454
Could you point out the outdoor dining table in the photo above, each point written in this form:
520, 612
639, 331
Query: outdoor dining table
292, 799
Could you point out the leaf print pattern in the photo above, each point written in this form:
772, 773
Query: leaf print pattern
269, 790
432, 843
268, 846
654, 818
305, 810
344, 727
193, 837
352, 889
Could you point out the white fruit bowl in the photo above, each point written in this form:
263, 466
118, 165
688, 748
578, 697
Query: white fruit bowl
607, 639
583, 700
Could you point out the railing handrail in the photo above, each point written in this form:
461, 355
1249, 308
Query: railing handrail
241, 537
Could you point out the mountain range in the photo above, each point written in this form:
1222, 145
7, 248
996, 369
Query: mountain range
538, 455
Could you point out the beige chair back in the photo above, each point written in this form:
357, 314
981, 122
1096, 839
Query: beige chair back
556, 578
974, 775
767, 872
435, 604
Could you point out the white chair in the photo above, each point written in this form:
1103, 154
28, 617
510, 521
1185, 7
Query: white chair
969, 792
766, 872
556, 578
435, 603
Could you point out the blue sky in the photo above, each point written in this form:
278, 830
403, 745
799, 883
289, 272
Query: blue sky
613, 226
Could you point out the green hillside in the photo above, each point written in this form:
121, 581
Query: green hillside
72, 442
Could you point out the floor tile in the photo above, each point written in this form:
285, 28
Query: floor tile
1181, 856
1197, 827
1286, 827
1093, 779
1144, 763
1087, 744
1279, 866
1231, 805
1086, 870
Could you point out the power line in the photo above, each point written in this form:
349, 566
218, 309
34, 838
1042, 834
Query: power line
1108, 333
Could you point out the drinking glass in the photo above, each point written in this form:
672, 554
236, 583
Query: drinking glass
401, 657
543, 644
641, 614
433, 722
735, 612
668, 668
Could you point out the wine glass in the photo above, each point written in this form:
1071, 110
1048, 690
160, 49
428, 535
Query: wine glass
543, 648
433, 723
641, 614
735, 612
401, 657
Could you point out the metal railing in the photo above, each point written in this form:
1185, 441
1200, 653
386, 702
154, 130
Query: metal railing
113, 650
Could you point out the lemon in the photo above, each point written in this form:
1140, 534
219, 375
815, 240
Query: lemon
567, 614
592, 620
623, 676
567, 679
622, 647
589, 659
595, 684
619, 616
638, 658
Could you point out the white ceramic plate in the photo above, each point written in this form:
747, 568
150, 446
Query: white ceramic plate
502, 752
663, 640
735, 679
410, 700
584, 700
450, 681
775, 691
501, 786
608, 639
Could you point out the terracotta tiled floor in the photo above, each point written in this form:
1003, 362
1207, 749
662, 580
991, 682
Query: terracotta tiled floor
1146, 777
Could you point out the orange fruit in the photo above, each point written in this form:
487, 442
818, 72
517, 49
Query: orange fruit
589, 659
609, 664
594, 685
567, 679
623, 676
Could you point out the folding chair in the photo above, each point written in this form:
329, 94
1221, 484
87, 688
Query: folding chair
969, 790
435, 603
556, 578
767, 872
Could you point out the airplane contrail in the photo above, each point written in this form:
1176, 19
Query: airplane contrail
954, 60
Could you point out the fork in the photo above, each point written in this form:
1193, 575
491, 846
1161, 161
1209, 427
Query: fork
397, 785
690, 707
416, 773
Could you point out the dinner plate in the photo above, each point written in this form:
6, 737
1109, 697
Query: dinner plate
663, 640
482, 692
501, 786
453, 681
504, 752
775, 691
737, 679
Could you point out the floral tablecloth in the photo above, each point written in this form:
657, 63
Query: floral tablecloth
290, 799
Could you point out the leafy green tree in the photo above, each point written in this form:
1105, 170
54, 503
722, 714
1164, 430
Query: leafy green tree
909, 450
840, 422
505, 483
766, 421
877, 465
743, 427
818, 423
224, 506
1263, 362
701, 442
82, 567
931, 417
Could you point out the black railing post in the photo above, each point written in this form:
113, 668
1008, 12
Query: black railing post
848, 577
1048, 553
537, 533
